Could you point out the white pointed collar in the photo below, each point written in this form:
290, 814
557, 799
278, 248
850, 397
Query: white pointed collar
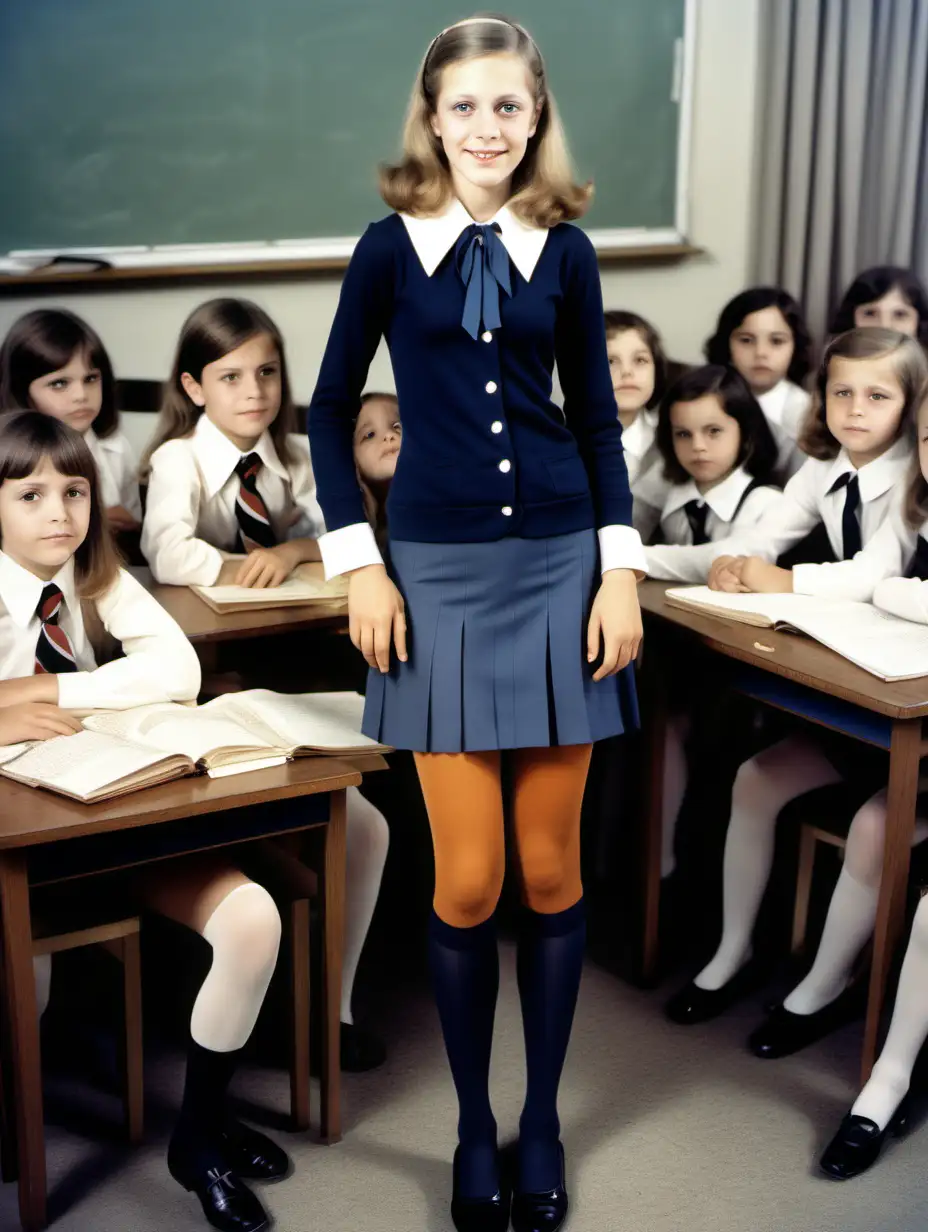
722, 498
20, 590
217, 457
434, 237
877, 477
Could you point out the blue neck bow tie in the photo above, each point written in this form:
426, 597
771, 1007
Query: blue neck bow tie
483, 263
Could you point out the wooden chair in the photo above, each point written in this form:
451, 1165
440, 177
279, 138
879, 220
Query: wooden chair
121, 938
809, 837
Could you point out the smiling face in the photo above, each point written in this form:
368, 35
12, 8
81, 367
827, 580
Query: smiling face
44, 518
864, 402
240, 392
705, 439
890, 311
632, 366
377, 437
485, 115
762, 349
73, 394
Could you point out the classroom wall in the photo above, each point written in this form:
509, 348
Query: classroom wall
140, 326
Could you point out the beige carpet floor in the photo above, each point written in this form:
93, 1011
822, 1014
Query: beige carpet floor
666, 1130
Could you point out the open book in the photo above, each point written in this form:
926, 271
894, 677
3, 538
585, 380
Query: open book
883, 645
306, 584
122, 750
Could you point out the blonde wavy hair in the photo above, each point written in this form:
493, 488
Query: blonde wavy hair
544, 187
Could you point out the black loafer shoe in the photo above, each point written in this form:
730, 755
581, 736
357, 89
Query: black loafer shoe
693, 1004
541, 1212
361, 1050
227, 1204
857, 1144
785, 1033
479, 1214
253, 1155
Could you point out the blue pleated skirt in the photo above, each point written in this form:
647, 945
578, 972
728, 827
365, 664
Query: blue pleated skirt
497, 650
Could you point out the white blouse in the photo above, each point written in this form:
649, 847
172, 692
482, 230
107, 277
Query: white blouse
117, 469
190, 526
160, 665
785, 407
678, 558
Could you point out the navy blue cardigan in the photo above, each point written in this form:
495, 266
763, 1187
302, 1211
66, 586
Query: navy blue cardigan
485, 452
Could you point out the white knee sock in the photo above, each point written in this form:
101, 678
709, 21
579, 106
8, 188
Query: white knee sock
367, 841
850, 920
244, 931
42, 969
892, 1073
763, 786
675, 777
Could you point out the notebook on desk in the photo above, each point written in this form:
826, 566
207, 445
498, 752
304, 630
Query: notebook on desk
122, 751
884, 645
305, 585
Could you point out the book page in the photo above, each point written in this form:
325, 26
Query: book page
293, 590
327, 721
8, 752
882, 644
84, 763
191, 731
775, 608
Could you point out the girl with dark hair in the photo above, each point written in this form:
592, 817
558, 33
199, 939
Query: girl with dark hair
53, 362
761, 333
888, 297
639, 378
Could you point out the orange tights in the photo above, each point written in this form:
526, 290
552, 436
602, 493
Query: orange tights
464, 799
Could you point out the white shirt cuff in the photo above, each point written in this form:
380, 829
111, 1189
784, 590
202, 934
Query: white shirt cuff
620, 548
350, 547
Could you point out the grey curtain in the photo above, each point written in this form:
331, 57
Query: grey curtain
843, 151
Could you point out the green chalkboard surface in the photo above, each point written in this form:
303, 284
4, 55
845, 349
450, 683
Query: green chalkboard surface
206, 121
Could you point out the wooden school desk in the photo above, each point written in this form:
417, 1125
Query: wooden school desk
35, 827
801, 677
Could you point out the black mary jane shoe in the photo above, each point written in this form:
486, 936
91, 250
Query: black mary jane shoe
857, 1144
785, 1033
252, 1155
479, 1214
361, 1050
227, 1204
541, 1212
693, 1004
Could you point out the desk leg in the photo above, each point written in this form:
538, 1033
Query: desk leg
333, 924
655, 710
900, 823
23, 1018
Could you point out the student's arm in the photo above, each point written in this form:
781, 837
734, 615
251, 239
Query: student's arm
169, 540
362, 317
589, 407
793, 514
885, 556
692, 562
270, 566
160, 665
35, 721
904, 597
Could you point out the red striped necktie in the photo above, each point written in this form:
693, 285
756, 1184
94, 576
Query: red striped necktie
254, 523
53, 652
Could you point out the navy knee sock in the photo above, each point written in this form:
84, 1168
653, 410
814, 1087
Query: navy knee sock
549, 962
464, 963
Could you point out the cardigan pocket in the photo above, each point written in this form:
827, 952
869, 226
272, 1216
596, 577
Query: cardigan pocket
568, 476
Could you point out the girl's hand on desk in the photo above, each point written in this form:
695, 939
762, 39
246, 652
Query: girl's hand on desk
376, 616
616, 618
35, 721
725, 574
22, 689
266, 567
763, 578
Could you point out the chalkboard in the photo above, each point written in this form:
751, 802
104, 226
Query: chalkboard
148, 122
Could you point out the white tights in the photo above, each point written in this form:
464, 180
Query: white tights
675, 778
367, 840
852, 911
892, 1073
763, 785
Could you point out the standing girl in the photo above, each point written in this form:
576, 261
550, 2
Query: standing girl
517, 647
869, 388
762, 334
63, 600
888, 297
232, 499
53, 362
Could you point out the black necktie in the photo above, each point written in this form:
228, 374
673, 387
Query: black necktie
850, 526
254, 522
918, 565
53, 652
696, 514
